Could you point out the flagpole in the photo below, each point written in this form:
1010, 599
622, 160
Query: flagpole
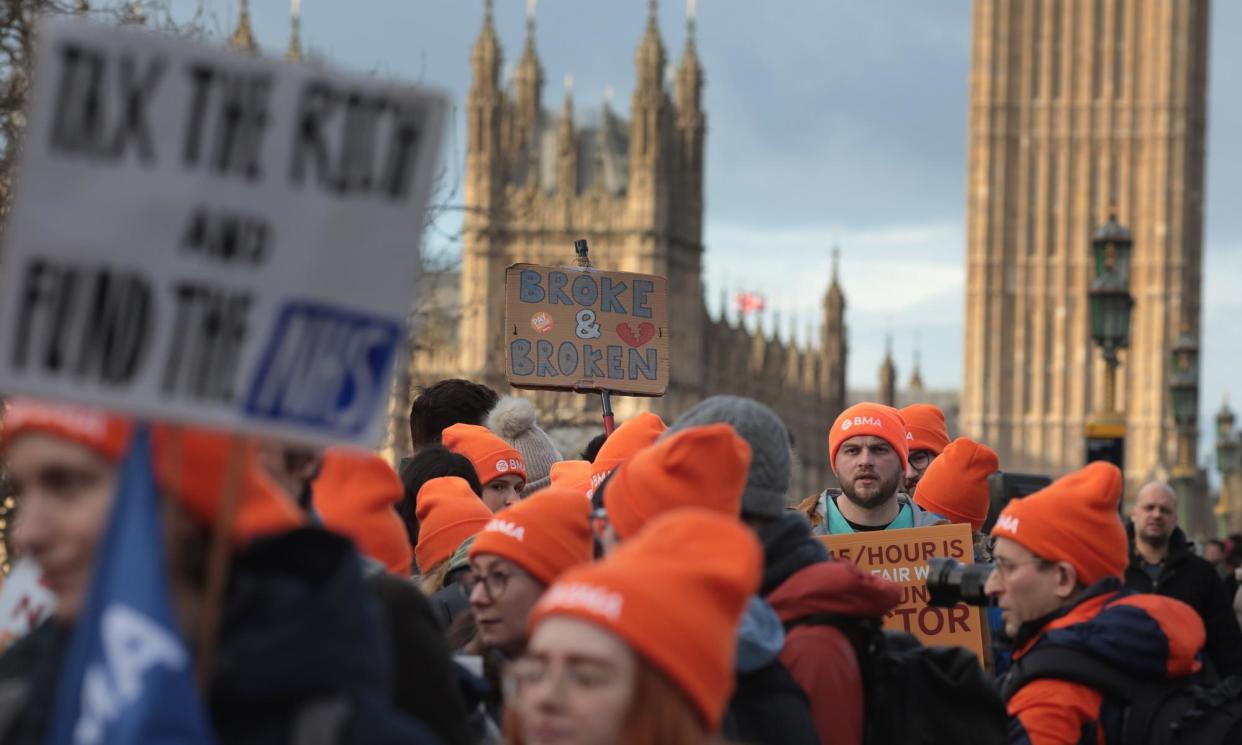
218, 565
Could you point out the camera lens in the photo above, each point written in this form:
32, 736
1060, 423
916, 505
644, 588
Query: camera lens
950, 582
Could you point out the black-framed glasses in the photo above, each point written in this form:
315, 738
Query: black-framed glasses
921, 459
494, 583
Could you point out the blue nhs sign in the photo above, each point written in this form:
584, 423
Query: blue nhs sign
323, 369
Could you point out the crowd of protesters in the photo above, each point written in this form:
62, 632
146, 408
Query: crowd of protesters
662, 587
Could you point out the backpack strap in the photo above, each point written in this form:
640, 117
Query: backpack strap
1070, 665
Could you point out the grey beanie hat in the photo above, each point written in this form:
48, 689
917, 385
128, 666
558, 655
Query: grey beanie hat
513, 420
763, 430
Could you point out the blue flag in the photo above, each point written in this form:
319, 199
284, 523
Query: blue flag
127, 675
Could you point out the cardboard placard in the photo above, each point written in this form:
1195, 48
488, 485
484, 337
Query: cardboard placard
214, 237
901, 556
583, 329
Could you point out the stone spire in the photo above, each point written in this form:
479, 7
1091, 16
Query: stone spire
243, 38
485, 57
650, 60
528, 85
294, 53
567, 145
916, 377
888, 375
689, 74
484, 105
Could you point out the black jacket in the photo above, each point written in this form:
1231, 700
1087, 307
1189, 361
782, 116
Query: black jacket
303, 656
1192, 580
788, 548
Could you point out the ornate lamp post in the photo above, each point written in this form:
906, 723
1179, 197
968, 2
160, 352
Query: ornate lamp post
1184, 393
1111, 304
1228, 450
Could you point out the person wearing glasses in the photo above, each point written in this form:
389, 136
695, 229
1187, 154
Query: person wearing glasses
1059, 557
708, 467
926, 438
617, 657
517, 555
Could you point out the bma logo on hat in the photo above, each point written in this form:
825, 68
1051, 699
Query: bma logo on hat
1007, 522
513, 530
502, 466
861, 421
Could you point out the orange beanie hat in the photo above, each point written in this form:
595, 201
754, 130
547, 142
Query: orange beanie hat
876, 420
572, 474
448, 513
925, 428
698, 467
492, 457
545, 534
96, 430
633, 435
956, 484
192, 465
1073, 519
675, 595
356, 495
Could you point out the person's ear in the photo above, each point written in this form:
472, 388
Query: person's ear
1067, 580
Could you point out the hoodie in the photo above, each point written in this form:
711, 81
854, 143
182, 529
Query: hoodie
767, 706
821, 657
1144, 636
826, 519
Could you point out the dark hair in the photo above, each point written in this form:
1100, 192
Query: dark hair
431, 463
443, 404
1217, 543
592, 448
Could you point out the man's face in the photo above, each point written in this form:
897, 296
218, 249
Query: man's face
1214, 554
1154, 515
916, 466
64, 493
869, 470
1024, 586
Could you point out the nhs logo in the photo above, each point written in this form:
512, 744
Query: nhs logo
324, 368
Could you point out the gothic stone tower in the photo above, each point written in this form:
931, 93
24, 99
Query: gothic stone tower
536, 180
1076, 106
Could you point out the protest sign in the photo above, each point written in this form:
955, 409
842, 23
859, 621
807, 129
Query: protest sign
582, 329
24, 602
901, 556
213, 237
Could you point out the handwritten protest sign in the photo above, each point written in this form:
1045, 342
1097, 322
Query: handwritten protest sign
901, 556
214, 237
577, 328
24, 602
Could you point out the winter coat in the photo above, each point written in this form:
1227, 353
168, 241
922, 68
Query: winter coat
816, 510
1144, 636
788, 548
820, 657
302, 658
1194, 581
423, 664
767, 706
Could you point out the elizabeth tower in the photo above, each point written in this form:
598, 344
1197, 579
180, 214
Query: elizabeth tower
1079, 108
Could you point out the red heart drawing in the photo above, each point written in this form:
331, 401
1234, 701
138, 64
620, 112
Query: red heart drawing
646, 330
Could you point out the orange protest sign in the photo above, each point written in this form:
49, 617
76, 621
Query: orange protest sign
901, 556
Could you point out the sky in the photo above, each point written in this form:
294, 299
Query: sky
829, 122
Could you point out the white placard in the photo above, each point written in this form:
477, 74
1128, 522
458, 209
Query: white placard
213, 237
24, 602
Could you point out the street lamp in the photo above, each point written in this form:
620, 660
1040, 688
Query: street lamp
1110, 299
1227, 452
1110, 302
1184, 392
